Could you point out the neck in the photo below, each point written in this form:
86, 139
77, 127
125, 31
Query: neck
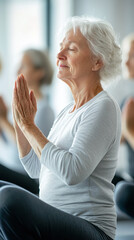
83, 94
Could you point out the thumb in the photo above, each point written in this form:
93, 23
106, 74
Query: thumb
33, 99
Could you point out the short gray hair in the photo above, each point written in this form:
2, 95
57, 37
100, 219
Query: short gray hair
40, 59
102, 42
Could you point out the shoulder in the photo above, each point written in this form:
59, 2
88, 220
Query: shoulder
104, 103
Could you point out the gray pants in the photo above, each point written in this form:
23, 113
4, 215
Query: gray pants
24, 216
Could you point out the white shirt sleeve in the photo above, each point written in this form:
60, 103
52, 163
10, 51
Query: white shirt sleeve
95, 134
31, 164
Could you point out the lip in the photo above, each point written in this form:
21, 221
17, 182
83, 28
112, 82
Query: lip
62, 65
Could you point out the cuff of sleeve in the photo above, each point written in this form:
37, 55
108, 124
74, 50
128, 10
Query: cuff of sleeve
28, 156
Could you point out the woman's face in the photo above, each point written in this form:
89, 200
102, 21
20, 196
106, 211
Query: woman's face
74, 60
130, 61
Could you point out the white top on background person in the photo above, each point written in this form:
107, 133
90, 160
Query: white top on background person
77, 162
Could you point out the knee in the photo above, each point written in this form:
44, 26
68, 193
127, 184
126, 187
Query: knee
9, 201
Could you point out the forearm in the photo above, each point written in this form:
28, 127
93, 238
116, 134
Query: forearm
8, 128
22, 143
35, 138
129, 136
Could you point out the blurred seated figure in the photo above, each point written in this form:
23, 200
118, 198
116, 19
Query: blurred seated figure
122, 92
124, 194
124, 87
37, 69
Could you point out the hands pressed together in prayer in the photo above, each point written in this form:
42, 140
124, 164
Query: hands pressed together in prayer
24, 108
24, 104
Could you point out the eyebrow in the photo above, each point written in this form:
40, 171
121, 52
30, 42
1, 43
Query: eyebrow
68, 42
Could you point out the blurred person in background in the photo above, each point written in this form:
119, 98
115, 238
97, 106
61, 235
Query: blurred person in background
123, 91
124, 191
37, 69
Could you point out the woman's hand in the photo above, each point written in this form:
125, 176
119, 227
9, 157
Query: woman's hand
24, 104
3, 109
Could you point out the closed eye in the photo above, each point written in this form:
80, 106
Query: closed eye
71, 49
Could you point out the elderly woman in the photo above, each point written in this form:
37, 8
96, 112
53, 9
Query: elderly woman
77, 161
37, 69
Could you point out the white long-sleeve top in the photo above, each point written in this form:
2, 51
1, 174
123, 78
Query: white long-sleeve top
79, 162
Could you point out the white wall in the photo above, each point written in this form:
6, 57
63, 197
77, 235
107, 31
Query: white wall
119, 13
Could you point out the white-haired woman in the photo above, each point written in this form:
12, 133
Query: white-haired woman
77, 161
38, 71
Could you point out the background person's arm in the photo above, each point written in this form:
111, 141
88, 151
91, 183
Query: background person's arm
128, 122
5, 126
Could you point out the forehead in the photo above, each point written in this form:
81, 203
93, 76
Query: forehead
74, 37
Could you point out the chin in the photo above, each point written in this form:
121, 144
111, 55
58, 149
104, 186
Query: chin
63, 78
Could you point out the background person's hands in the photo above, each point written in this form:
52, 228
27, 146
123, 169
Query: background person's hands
3, 109
24, 104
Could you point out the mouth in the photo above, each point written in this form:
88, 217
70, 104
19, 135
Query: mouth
63, 66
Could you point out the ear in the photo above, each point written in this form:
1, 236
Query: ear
98, 64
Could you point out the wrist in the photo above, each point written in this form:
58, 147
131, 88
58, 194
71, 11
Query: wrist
28, 127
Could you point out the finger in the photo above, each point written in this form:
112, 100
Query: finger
15, 94
33, 99
20, 88
25, 86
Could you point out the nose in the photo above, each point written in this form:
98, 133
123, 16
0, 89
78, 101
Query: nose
61, 55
